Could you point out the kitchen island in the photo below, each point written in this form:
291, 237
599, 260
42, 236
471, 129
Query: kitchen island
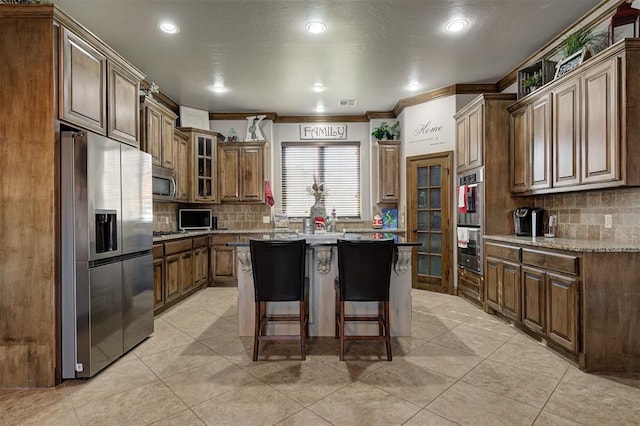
322, 269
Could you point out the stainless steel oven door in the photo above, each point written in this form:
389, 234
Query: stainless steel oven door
470, 257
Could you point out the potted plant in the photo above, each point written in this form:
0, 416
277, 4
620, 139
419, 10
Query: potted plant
533, 82
384, 131
593, 41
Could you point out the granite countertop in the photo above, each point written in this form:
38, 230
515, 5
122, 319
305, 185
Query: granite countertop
569, 244
271, 231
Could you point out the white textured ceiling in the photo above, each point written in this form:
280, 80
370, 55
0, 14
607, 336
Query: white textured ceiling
371, 50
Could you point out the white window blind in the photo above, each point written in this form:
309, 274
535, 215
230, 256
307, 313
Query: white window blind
336, 164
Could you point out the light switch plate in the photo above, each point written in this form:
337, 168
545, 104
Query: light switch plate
608, 221
266, 219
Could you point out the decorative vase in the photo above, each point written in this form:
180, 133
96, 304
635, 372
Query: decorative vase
318, 210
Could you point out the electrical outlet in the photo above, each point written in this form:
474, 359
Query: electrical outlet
266, 219
608, 221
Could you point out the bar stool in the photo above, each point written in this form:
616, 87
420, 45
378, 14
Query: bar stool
279, 276
364, 275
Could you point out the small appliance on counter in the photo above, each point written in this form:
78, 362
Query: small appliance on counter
196, 219
528, 221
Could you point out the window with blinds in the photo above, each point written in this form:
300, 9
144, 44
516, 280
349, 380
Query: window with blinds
336, 164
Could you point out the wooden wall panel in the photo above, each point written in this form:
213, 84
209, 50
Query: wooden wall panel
29, 233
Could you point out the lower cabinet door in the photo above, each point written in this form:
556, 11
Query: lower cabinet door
158, 283
534, 300
511, 290
186, 271
172, 276
562, 306
492, 283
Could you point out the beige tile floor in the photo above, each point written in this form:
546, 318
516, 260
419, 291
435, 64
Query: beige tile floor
461, 366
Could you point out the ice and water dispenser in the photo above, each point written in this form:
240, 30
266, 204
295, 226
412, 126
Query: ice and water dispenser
106, 231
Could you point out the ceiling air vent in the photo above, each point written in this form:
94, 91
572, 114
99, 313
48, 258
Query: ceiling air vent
348, 102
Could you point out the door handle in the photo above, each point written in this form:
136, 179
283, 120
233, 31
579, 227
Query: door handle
414, 230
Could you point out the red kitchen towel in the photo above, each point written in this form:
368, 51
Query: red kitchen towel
462, 198
268, 194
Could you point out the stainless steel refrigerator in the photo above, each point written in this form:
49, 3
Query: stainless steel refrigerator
107, 265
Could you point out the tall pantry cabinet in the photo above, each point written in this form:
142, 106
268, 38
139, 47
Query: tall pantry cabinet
59, 73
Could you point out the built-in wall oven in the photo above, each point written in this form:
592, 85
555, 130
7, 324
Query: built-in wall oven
469, 196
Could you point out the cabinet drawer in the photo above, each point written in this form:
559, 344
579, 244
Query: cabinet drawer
221, 240
177, 246
503, 251
158, 251
553, 261
200, 242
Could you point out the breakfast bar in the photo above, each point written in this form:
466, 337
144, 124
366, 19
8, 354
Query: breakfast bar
322, 269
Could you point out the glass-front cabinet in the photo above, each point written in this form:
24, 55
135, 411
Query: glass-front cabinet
203, 165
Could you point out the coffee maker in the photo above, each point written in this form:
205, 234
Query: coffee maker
528, 221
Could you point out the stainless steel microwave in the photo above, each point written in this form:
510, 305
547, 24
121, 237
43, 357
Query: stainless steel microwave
164, 184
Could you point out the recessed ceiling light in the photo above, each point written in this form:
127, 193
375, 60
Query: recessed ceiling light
456, 25
169, 27
217, 88
413, 86
316, 27
318, 88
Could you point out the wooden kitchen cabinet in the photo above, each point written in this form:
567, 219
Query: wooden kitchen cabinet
200, 261
98, 93
534, 306
241, 171
179, 267
84, 83
589, 114
470, 137
531, 146
158, 276
203, 181
471, 285
124, 103
181, 140
502, 279
566, 135
387, 171
223, 265
158, 124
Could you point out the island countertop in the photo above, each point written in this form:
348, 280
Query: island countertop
569, 244
273, 233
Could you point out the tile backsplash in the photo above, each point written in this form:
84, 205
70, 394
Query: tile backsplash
232, 216
581, 214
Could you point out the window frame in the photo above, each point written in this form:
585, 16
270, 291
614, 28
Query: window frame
321, 144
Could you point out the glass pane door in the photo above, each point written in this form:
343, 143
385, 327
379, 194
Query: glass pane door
429, 231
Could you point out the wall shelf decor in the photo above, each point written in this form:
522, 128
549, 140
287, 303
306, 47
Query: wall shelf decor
543, 67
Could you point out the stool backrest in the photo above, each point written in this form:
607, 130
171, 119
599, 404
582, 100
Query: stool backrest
278, 269
364, 269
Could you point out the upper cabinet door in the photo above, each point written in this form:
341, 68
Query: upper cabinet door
252, 173
600, 150
475, 130
229, 173
153, 134
124, 103
541, 143
566, 135
168, 146
461, 143
83, 100
520, 150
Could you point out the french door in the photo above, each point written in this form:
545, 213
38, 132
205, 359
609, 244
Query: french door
429, 220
